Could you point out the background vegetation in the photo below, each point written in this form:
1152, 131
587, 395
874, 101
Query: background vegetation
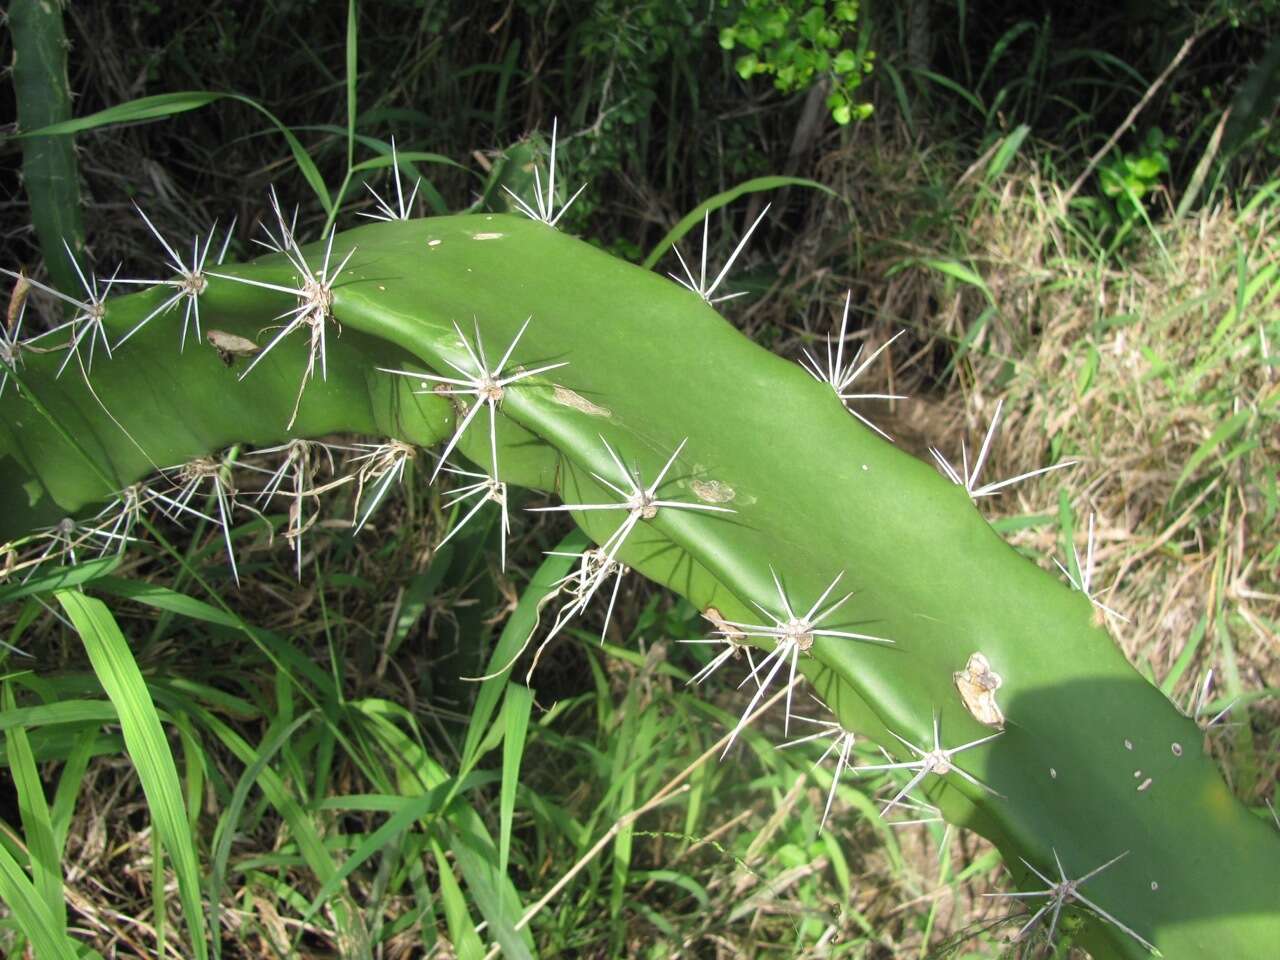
1123, 303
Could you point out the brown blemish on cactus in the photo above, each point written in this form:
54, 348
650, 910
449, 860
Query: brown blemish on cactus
568, 398
730, 632
487, 236
977, 684
713, 491
230, 346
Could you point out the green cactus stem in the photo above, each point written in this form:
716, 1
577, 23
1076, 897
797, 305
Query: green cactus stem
1092, 762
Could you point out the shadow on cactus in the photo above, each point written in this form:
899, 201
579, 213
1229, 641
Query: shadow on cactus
690, 455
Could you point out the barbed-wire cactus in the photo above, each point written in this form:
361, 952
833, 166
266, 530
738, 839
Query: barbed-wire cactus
695, 457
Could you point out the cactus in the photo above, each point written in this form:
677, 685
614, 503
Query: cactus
732, 476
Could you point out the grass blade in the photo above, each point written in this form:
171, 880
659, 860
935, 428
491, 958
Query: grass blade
1009, 148
37, 825
1226, 430
64, 799
958, 271
59, 579
147, 746
694, 216
519, 628
515, 710
353, 49
168, 104
31, 912
410, 811
226, 828
466, 944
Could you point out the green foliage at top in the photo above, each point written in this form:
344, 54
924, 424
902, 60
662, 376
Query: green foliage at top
1129, 176
797, 43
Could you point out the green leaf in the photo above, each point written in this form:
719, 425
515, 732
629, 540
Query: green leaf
69, 781
1185, 657
492, 891
353, 75
162, 598
958, 271
1088, 370
404, 156
411, 810
59, 712
147, 746
225, 832
1008, 149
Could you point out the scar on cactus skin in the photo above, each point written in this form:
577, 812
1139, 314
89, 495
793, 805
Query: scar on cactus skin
977, 684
